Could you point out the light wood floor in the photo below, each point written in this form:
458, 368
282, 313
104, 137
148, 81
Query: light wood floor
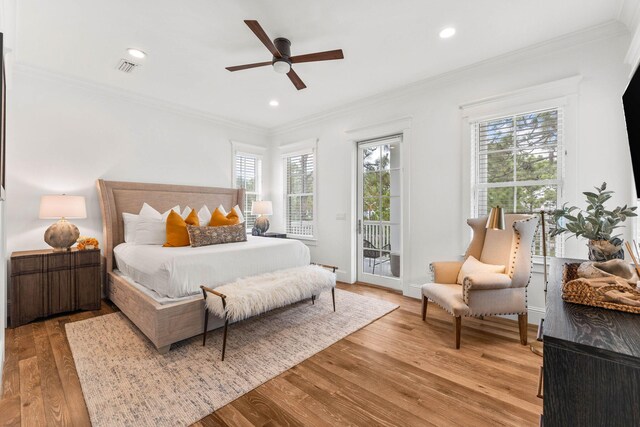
396, 371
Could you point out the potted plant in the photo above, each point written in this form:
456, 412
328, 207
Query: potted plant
596, 223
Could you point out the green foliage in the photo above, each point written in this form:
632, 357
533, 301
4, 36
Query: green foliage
594, 223
377, 183
521, 149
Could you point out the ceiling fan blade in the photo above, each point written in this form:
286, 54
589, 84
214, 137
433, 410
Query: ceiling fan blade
247, 66
318, 56
296, 80
264, 38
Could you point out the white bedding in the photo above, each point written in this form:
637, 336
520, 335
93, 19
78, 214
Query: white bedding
178, 272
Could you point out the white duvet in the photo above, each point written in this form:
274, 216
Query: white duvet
178, 272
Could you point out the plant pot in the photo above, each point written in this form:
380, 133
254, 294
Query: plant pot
603, 250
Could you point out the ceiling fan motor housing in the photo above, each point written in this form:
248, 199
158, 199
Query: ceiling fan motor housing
284, 47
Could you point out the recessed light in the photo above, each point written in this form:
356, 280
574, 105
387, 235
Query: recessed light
274, 103
136, 53
447, 32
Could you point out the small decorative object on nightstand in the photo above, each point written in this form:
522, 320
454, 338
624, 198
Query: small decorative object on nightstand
275, 235
62, 235
262, 208
46, 282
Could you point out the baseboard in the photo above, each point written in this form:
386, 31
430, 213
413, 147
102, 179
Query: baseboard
343, 276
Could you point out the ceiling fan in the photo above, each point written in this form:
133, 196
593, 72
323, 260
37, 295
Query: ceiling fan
282, 60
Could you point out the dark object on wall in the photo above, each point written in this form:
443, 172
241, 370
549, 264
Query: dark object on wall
591, 362
631, 102
3, 119
45, 282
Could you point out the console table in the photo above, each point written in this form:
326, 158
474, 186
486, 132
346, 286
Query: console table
591, 361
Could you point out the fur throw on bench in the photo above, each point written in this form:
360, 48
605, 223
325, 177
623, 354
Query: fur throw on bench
250, 296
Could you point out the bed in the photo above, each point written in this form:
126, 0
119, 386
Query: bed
158, 288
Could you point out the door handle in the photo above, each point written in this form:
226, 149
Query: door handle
359, 226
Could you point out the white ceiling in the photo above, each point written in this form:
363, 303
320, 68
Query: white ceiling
386, 44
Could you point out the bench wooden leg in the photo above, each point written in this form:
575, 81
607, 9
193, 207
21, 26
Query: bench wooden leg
224, 337
206, 322
333, 297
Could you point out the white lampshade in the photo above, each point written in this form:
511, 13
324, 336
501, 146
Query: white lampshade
262, 207
62, 206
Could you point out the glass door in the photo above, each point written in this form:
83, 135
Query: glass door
379, 212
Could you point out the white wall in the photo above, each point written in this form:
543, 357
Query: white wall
437, 208
65, 136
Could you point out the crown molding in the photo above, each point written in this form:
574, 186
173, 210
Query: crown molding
629, 14
147, 101
609, 29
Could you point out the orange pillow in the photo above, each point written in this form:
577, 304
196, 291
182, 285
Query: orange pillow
218, 218
177, 234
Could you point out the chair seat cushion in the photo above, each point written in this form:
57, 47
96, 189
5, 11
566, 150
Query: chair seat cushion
448, 297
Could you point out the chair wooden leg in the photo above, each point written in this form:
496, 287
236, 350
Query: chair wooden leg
458, 328
425, 301
313, 299
224, 337
206, 322
523, 320
333, 298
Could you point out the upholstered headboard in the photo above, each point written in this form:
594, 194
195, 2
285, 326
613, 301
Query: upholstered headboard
118, 197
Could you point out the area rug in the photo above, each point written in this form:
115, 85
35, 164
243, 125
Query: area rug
126, 382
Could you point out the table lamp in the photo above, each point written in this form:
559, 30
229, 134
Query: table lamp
496, 219
262, 208
62, 234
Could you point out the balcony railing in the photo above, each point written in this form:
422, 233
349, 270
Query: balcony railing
377, 233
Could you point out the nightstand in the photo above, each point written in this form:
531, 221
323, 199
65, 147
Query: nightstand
275, 235
44, 282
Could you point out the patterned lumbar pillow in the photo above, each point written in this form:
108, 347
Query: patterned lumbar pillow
203, 236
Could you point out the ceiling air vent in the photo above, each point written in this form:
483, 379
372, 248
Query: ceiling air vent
126, 66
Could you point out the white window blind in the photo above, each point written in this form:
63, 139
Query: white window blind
299, 172
518, 165
248, 175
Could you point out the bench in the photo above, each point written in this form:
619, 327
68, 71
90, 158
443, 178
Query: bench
250, 296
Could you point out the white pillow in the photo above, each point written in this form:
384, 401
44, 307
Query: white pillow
204, 215
472, 265
151, 212
130, 221
150, 226
235, 208
150, 231
165, 215
239, 213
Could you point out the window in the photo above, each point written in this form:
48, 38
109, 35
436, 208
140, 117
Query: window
248, 175
518, 166
299, 173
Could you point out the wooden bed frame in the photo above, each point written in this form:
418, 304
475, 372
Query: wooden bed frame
163, 324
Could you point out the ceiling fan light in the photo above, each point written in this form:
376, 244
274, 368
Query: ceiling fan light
281, 67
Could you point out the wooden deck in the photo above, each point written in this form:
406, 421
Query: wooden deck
396, 371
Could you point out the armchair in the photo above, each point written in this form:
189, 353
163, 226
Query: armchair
487, 294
